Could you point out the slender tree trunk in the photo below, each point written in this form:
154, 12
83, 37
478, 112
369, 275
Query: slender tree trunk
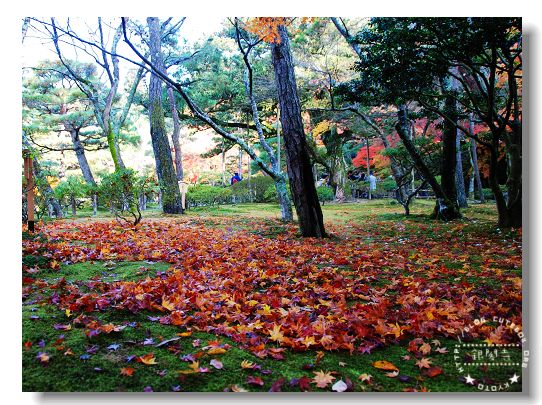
240, 163
278, 140
302, 185
459, 177
94, 204
284, 200
171, 197
445, 208
474, 157
368, 167
176, 134
223, 164
73, 205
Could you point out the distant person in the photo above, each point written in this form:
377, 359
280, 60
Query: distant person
235, 178
372, 181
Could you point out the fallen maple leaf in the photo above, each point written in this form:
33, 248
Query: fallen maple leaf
385, 365
247, 364
255, 381
322, 379
433, 371
43, 357
277, 385
147, 359
425, 348
127, 371
365, 377
192, 368
275, 334
216, 350
304, 383
423, 363
167, 304
392, 374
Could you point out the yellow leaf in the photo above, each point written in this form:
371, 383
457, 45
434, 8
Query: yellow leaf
167, 304
148, 359
275, 334
385, 365
247, 364
216, 350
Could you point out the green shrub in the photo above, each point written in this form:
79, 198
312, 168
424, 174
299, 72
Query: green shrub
388, 185
204, 194
120, 190
71, 190
325, 193
270, 194
259, 186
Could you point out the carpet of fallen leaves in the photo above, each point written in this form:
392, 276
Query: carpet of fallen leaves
369, 285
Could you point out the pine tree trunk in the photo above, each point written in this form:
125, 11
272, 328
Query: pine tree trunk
303, 189
171, 197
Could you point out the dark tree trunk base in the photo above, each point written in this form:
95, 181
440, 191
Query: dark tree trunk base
445, 212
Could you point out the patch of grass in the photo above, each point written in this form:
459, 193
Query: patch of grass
110, 270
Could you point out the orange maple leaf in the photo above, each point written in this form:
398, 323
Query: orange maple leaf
127, 371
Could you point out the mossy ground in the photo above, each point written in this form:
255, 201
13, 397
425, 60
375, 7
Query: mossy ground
99, 367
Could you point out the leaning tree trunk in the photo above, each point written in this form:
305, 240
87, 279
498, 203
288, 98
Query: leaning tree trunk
83, 164
114, 150
171, 196
444, 209
303, 189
